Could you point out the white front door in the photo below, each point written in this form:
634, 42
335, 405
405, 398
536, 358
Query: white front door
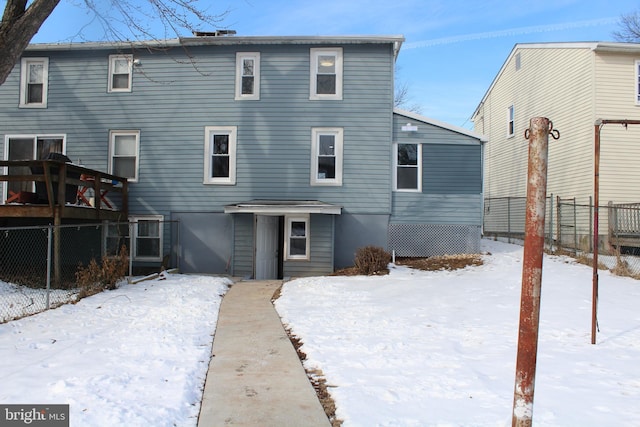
266, 247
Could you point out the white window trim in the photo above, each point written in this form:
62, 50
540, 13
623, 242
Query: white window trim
232, 131
395, 169
240, 57
511, 122
112, 59
314, 54
287, 249
112, 135
24, 75
134, 238
34, 137
339, 140
637, 63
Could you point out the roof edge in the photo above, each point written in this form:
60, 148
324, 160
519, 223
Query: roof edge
440, 124
396, 40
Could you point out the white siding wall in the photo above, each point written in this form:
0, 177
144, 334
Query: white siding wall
553, 83
620, 147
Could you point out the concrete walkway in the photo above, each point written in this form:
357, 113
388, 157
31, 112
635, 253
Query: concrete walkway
255, 377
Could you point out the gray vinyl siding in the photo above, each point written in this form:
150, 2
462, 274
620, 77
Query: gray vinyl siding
202, 241
357, 231
172, 102
451, 177
242, 262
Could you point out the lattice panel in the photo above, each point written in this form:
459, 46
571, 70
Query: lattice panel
421, 240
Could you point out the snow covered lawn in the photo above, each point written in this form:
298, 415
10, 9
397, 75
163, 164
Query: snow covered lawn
439, 348
135, 356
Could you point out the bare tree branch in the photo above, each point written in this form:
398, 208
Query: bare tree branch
121, 20
19, 24
629, 28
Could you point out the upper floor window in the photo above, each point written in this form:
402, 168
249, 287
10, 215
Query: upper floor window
34, 80
510, 121
220, 155
408, 167
120, 73
248, 75
326, 156
326, 73
124, 147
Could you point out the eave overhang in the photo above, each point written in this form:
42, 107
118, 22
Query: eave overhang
283, 207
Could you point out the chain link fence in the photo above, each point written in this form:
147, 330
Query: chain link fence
570, 229
38, 265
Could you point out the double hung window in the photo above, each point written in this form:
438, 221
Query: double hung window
248, 75
124, 147
34, 79
146, 240
326, 158
220, 155
120, 73
408, 165
326, 73
297, 241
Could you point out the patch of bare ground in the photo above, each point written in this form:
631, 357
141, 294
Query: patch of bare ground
319, 383
443, 262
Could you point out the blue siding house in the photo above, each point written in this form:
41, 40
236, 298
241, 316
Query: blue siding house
276, 156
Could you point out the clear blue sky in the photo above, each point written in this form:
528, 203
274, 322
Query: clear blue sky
452, 52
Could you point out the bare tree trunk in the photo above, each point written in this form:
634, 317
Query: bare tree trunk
19, 25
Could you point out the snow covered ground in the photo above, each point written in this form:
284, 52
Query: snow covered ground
408, 349
135, 356
439, 348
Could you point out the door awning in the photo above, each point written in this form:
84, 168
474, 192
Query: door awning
284, 207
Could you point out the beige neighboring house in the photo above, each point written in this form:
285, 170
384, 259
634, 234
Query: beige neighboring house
572, 84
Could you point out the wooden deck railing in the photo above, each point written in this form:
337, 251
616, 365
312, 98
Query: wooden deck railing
60, 185
624, 224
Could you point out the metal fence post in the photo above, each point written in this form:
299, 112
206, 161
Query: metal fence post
131, 249
538, 136
550, 223
49, 243
509, 218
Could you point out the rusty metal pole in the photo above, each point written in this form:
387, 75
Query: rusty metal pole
596, 221
538, 136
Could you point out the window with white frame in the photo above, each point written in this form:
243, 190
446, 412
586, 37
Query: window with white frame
510, 121
147, 238
638, 82
120, 73
34, 81
116, 235
28, 147
124, 148
408, 167
326, 158
326, 73
220, 155
248, 75
297, 239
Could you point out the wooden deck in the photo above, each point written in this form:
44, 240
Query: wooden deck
624, 225
61, 192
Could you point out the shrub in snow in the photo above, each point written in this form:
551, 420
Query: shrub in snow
95, 278
371, 260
